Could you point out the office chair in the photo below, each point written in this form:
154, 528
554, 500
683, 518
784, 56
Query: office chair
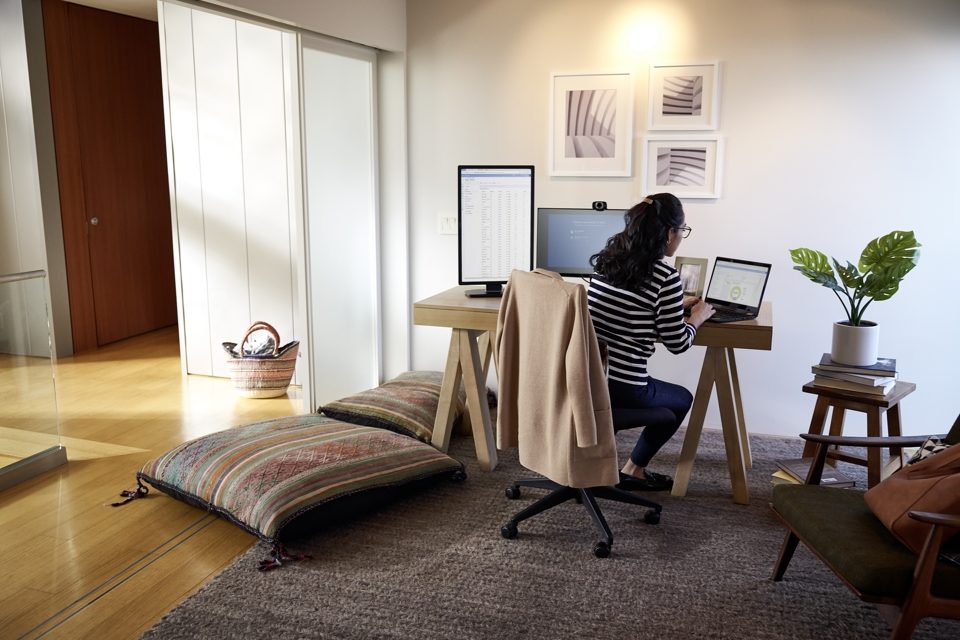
554, 404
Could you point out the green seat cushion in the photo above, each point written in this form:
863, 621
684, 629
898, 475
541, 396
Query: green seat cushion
838, 525
262, 476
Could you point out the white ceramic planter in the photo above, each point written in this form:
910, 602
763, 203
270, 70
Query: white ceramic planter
855, 346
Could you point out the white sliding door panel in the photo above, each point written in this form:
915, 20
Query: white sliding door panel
273, 141
186, 180
218, 123
341, 217
229, 105
263, 125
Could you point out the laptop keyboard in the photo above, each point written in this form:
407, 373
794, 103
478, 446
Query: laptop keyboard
721, 316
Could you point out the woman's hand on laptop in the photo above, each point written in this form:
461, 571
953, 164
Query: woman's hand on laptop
700, 312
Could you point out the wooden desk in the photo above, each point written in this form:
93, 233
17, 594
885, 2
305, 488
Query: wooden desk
473, 321
872, 405
720, 370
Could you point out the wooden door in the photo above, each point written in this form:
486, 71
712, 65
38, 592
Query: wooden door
107, 107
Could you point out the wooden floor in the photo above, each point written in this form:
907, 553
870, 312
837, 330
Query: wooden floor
74, 567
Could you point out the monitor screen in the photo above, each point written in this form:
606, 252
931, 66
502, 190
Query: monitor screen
495, 223
566, 238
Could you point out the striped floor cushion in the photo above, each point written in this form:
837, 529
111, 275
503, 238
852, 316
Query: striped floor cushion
406, 404
264, 475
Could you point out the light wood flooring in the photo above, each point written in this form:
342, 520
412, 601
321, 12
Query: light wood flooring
74, 567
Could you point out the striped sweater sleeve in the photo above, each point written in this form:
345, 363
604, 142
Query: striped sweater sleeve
677, 336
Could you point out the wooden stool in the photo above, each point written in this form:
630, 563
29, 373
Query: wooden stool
870, 404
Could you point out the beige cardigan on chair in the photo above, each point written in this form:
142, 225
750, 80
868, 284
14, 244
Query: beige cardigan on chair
553, 402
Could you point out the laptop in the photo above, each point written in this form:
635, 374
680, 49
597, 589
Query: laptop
736, 289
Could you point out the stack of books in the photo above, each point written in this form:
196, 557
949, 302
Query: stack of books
794, 471
878, 379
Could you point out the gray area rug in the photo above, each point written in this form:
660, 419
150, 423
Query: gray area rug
433, 565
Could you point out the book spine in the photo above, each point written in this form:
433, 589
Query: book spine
850, 386
856, 378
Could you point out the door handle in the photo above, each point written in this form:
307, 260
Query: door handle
94, 221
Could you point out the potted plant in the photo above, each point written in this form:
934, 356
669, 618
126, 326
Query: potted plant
876, 277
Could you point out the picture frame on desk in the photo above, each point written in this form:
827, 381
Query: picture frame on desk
693, 274
591, 124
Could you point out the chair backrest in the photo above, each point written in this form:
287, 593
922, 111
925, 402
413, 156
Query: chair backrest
553, 402
953, 437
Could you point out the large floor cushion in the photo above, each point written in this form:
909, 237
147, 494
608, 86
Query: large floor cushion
406, 404
839, 526
264, 475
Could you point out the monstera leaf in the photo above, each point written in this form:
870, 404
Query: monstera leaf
815, 266
876, 277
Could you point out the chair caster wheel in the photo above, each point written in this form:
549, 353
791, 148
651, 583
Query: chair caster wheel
601, 550
509, 531
459, 475
652, 517
512, 492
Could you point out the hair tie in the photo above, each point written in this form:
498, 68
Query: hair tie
657, 210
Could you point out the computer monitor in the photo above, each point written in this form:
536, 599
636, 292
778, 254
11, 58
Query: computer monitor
566, 238
494, 224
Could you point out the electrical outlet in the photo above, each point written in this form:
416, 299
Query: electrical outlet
447, 225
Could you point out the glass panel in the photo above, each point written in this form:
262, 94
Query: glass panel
28, 413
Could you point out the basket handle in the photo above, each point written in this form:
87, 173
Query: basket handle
257, 326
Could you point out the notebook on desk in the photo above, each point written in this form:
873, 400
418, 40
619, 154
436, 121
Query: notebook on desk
736, 289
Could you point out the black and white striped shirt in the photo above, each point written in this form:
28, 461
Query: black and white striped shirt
630, 322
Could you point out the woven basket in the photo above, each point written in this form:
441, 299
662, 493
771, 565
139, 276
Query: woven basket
261, 376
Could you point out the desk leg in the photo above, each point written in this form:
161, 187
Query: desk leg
695, 425
731, 432
446, 407
466, 425
476, 388
485, 352
816, 425
738, 403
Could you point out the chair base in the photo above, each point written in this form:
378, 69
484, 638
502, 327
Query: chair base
587, 497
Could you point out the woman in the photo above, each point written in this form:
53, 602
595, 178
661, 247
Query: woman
635, 298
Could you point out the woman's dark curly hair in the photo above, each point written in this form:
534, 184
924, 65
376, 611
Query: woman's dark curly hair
627, 260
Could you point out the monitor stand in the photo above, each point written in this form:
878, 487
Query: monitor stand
492, 290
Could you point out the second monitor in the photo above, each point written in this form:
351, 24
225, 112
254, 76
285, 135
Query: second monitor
566, 238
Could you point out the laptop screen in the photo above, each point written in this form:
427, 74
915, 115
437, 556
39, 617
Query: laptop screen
737, 284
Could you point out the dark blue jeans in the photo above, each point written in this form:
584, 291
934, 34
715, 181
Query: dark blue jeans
659, 407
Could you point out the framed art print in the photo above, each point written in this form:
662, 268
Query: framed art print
686, 166
591, 124
684, 97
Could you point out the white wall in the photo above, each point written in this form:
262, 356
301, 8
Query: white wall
840, 121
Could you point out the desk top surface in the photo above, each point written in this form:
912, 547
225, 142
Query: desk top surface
452, 308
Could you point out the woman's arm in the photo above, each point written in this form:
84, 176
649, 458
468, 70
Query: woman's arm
675, 331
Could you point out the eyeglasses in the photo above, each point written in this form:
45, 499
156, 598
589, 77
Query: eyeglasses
684, 230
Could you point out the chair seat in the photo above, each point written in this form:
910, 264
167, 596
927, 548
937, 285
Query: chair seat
838, 525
